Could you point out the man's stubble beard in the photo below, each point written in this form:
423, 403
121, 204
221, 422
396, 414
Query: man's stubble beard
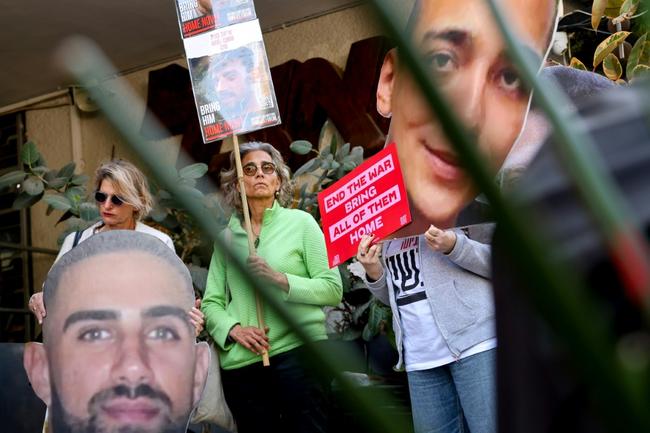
63, 422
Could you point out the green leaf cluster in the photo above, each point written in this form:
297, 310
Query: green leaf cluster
330, 164
634, 64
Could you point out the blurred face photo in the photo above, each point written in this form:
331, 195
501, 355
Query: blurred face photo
467, 55
119, 353
232, 85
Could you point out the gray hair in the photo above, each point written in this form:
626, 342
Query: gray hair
129, 183
115, 241
229, 177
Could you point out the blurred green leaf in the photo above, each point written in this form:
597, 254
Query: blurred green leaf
613, 8
66, 216
349, 163
75, 194
80, 179
24, 200
29, 153
629, 7
184, 181
49, 175
40, 170
639, 55
597, 12
612, 67
608, 45
33, 185
326, 152
88, 211
357, 154
40, 161
158, 213
577, 64
193, 171
307, 167
342, 152
333, 144
49, 210
67, 171
378, 316
325, 162
192, 191
57, 182
57, 201
641, 71
12, 178
334, 165
301, 147
303, 190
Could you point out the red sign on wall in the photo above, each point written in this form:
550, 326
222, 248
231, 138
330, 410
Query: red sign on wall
370, 199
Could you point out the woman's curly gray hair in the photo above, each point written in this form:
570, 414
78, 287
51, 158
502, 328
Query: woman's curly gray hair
229, 177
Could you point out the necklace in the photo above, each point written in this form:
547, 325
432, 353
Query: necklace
256, 243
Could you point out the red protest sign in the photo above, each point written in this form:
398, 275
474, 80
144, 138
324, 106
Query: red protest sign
370, 199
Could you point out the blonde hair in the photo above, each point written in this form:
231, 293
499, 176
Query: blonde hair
229, 177
129, 183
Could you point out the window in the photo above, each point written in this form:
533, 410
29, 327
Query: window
15, 263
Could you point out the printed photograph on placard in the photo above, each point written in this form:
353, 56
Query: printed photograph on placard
232, 84
199, 16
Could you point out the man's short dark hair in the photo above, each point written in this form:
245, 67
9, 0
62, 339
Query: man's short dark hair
114, 241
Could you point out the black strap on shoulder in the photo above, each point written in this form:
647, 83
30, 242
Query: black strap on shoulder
77, 237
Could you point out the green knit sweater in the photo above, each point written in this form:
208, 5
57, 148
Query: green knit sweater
292, 243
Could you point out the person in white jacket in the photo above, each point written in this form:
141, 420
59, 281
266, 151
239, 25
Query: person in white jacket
123, 199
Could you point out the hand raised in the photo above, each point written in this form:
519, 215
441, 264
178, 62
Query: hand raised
368, 255
440, 240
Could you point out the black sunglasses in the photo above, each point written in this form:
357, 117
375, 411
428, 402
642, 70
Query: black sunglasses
250, 169
101, 197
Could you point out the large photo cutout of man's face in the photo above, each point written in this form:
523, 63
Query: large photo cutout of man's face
467, 54
119, 352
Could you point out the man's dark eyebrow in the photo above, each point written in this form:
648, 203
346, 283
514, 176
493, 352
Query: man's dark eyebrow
167, 310
457, 37
90, 315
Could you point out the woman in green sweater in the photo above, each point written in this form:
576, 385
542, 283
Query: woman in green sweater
291, 256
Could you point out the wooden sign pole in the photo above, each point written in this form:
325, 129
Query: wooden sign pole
251, 242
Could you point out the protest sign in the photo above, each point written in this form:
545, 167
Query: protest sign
370, 199
231, 79
199, 16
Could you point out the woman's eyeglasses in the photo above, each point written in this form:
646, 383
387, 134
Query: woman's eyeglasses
250, 169
101, 197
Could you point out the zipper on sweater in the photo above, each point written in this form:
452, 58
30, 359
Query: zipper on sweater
435, 319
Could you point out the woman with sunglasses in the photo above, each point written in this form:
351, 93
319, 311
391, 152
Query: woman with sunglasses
123, 199
291, 261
